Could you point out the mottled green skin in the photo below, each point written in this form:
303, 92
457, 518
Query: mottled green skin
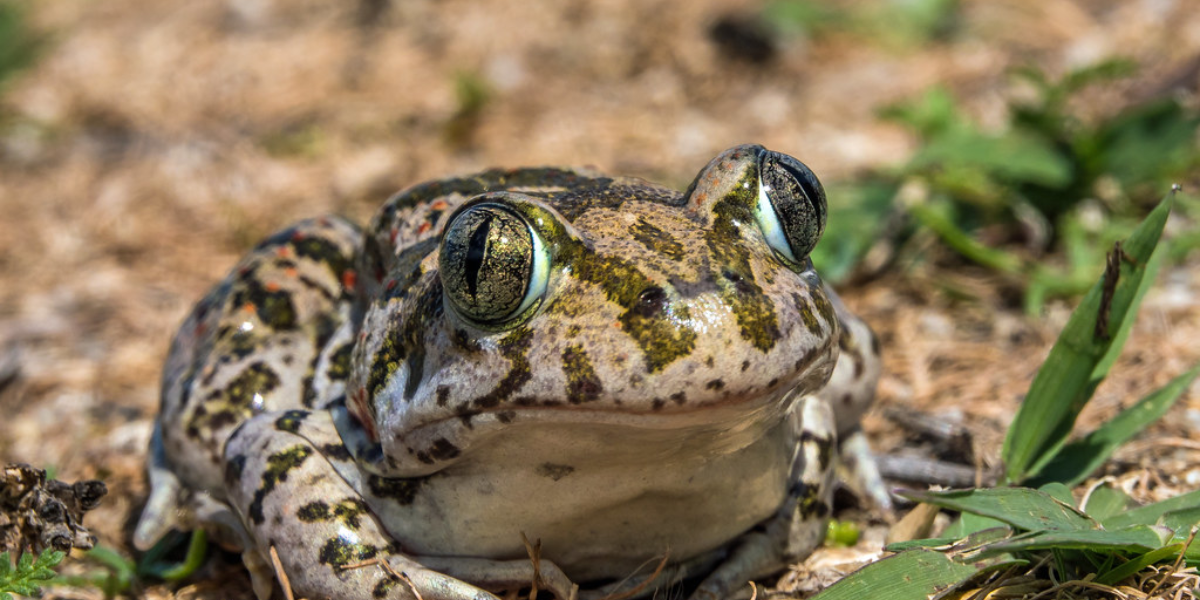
666, 390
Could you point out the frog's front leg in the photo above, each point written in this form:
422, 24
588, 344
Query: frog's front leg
800, 525
283, 476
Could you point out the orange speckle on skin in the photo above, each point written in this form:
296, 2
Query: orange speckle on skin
349, 279
290, 272
248, 307
392, 235
272, 286
297, 236
439, 205
426, 226
283, 251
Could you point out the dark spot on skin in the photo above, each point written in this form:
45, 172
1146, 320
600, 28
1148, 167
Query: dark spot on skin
824, 448
658, 241
273, 306
573, 331
745, 365
402, 491
233, 470
709, 362
337, 553
339, 362
443, 450
443, 395
657, 404
583, 385
290, 420
258, 378
773, 382
336, 452
555, 472
678, 398
324, 252
875, 349
808, 501
715, 384
506, 416
385, 585
278, 466
847, 398
313, 512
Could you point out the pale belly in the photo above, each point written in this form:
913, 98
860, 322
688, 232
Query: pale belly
602, 499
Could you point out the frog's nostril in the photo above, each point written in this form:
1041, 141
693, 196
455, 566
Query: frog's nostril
651, 301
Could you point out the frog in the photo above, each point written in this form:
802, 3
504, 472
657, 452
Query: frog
530, 378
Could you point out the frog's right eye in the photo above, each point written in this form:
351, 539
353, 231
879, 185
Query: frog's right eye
494, 266
791, 206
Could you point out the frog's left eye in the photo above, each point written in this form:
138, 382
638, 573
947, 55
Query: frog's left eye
791, 205
493, 265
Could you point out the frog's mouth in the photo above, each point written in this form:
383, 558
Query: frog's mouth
618, 432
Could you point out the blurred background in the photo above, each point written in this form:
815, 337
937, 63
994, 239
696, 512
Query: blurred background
980, 156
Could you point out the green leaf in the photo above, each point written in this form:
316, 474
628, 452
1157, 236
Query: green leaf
1066, 380
1106, 501
911, 575
1014, 157
1139, 538
1080, 458
1021, 508
1059, 492
1151, 513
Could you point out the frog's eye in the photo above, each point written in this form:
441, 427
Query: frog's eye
493, 264
791, 205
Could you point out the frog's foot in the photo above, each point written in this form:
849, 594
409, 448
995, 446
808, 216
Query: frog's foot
282, 477
172, 505
799, 527
862, 472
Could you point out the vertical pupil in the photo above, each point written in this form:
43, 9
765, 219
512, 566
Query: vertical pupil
476, 250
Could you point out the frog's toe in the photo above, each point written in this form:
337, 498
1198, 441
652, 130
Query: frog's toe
162, 510
502, 574
862, 472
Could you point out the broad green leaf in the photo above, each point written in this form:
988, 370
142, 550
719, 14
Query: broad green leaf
1022, 508
1151, 513
1139, 538
1080, 458
1065, 382
6, 567
1106, 501
912, 575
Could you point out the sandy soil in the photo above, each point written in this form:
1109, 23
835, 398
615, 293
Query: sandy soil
156, 141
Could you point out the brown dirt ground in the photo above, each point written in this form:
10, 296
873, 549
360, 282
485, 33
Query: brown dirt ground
155, 141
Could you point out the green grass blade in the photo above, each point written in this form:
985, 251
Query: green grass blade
1066, 380
1022, 508
1151, 513
1080, 458
912, 575
1138, 563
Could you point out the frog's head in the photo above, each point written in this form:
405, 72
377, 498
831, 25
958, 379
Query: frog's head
612, 302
